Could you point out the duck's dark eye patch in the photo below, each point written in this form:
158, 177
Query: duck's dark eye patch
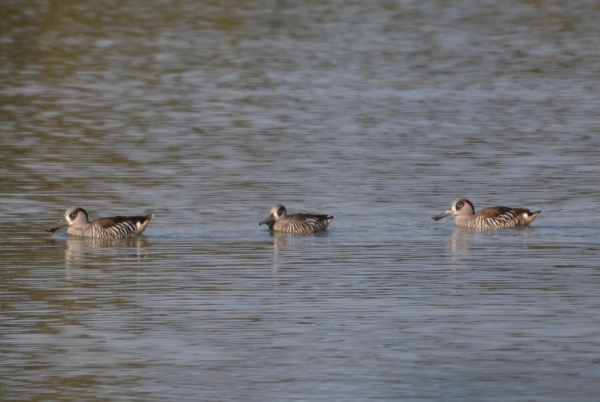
459, 204
73, 214
280, 211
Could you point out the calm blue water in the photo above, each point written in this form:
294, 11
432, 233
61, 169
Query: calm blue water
380, 113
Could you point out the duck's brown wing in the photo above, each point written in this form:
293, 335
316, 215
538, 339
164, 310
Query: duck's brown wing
303, 217
117, 220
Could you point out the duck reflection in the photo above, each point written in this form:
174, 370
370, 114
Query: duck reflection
85, 252
468, 242
286, 246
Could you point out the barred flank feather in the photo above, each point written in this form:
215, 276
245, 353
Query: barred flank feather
119, 231
504, 221
307, 225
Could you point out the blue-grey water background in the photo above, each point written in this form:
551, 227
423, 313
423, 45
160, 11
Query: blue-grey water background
206, 113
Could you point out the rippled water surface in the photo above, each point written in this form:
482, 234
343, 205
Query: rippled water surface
380, 113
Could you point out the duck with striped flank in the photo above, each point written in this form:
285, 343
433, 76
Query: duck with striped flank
280, 221
487, 219
117, 227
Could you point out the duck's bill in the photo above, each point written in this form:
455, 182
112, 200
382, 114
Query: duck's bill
59, 225
442, 215
270, 219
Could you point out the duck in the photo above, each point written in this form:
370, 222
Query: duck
280, 221
487, 219
117, 227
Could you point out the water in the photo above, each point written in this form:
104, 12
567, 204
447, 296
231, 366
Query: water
380, 113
